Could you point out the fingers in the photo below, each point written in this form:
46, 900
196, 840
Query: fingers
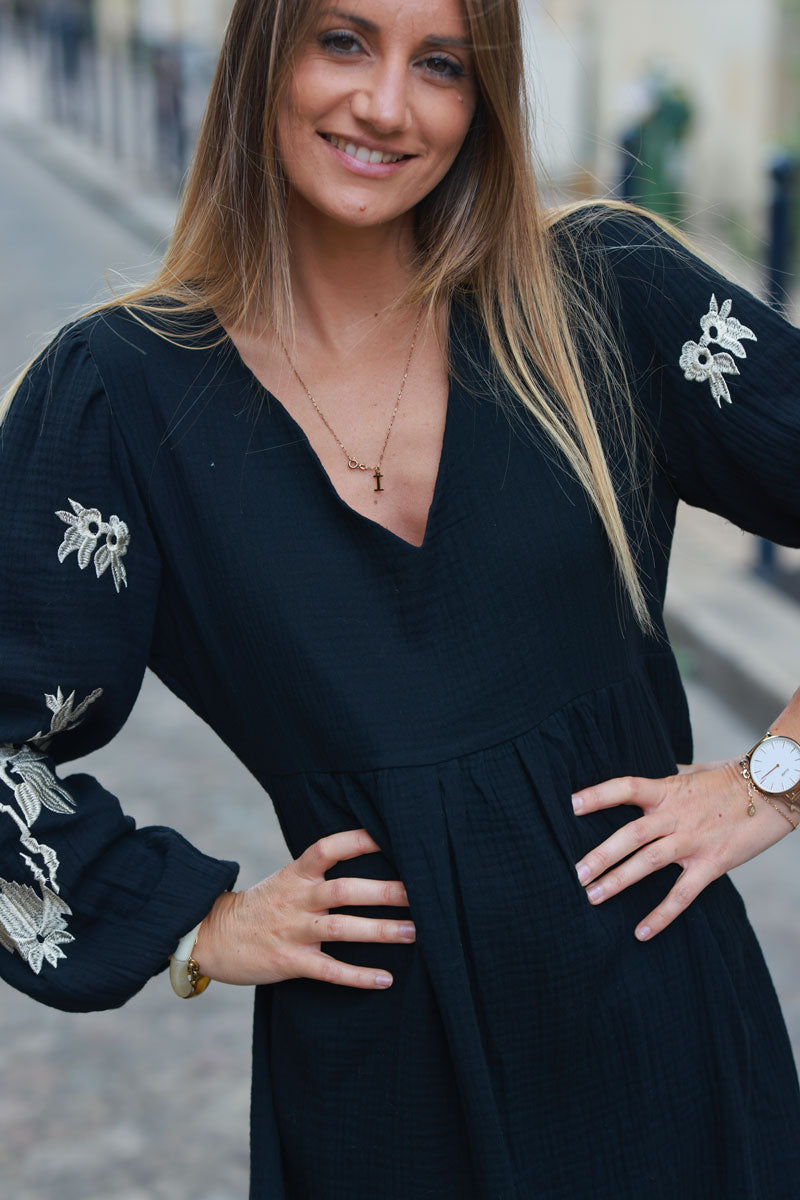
652, 858
330, 970
340, 893
346, 892
629, 789
323, 854
636, 835
335, 927
689, 885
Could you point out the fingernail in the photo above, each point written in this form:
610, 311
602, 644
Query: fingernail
595, 894
643, 933
408, 932
383, 981
577, 804
583, 873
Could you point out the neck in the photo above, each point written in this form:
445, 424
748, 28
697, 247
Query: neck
345, 279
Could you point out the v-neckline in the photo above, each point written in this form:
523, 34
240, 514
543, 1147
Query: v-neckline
326, 480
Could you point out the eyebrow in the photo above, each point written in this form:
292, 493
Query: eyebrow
370, 27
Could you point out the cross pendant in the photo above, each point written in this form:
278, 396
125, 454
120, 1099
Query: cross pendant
378, 477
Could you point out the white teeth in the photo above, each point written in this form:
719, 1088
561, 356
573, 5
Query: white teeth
361, 153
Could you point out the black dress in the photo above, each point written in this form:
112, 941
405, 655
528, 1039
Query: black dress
160, 507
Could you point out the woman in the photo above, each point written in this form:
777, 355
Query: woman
380, 477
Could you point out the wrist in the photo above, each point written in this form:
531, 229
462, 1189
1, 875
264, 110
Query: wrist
211, 936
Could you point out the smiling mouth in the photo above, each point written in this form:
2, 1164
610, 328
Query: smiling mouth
362, 153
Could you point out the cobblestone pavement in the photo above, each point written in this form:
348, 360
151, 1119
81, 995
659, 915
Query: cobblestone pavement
151, 1101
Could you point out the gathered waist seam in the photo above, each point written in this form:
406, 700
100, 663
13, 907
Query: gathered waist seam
633, 675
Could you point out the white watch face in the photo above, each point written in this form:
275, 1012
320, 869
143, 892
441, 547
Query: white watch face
775, 765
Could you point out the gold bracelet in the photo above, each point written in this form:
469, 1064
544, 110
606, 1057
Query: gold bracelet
772, 804
751, 807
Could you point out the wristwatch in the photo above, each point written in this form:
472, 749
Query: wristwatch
773, 767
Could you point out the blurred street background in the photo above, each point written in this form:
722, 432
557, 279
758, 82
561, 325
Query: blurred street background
690, 107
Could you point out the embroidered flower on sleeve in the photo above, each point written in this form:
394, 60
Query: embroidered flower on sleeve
34, 924
65, 715
700, 365
86, 526
41, 861
34, 785
112, 552
86, 529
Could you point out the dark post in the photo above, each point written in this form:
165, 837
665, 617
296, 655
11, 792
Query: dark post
782, 172
171, 138
783, 169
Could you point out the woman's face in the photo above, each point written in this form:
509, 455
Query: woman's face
378, 107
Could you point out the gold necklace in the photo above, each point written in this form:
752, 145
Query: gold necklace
354, 463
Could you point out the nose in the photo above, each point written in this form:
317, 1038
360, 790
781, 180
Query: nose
383, 101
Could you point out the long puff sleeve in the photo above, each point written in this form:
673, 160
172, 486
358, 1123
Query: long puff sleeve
714, 371
90, 906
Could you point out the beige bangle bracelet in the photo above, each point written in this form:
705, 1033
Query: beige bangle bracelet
184, 973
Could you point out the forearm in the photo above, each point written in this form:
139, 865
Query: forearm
788, 720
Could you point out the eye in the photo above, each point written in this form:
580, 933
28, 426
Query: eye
445, 68
339, 42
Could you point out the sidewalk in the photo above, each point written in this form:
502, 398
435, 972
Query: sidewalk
732, 632
138, 204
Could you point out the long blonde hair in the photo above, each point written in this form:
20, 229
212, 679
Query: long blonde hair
481, 233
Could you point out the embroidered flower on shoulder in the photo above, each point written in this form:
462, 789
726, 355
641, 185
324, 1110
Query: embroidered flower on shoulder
86, 529
720, 327
112, 552
700, 365
86, 526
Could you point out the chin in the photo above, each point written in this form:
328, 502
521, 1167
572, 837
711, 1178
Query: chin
360, 212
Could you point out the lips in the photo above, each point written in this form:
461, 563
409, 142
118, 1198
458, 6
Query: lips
362, 153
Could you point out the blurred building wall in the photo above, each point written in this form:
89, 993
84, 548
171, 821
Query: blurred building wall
725, 58
200, 20
592, 60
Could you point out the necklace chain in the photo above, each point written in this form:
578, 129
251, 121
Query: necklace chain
354, 463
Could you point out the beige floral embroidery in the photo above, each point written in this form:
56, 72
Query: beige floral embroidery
701, 366
65, 715
34, 924
90, 537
